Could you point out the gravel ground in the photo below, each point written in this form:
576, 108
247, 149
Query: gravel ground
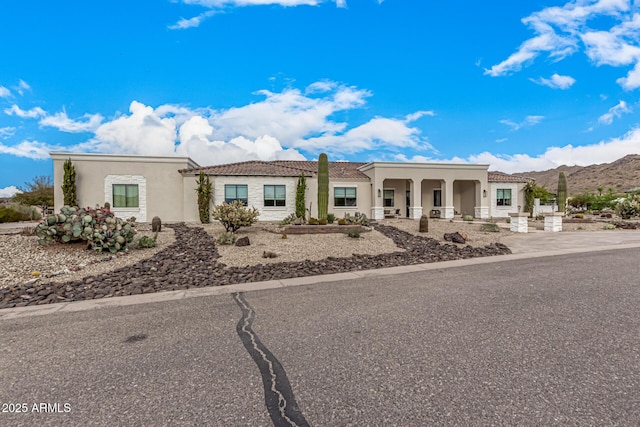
22, 258
20, 255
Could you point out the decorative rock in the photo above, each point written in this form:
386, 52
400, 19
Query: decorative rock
156, 224
243, 241
455, 238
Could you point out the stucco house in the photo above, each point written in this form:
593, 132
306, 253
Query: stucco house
146, 186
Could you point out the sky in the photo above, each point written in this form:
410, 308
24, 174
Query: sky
519, 85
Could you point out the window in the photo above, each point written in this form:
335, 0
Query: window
274, 195
388, 198
437, 198
125, 195
344, 196
504, 197
236, 192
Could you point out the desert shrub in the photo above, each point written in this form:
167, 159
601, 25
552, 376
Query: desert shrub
289, 219
148, 242
579, 216
467, 218
228, 238
357, 218
284, 236
9, 214
628, 208
269, 254
331, 218
490, 227
609, 227
353, 233
342, 221
234, 215
322, 221
313, 221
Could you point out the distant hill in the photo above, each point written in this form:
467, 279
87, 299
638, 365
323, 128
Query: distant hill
620, 175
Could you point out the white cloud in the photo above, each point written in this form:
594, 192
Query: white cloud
556, 81
62, 122
615, 111
22, 87
31, 149
561, 31
4, 92
602, 152
184, 23
217, 5
7, 131
528, 121
25, 114
10, 191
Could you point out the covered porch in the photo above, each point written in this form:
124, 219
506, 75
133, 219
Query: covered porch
409, 190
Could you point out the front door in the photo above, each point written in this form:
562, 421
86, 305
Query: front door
408, 201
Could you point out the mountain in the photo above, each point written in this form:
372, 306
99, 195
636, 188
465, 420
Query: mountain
620, 175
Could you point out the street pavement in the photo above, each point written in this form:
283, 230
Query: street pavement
526, 339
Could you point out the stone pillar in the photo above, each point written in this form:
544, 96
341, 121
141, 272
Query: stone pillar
415, 212
519, 222
553, 222
481, 212
377, 213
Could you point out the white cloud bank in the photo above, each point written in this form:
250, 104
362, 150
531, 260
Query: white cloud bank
278, 126
562, 31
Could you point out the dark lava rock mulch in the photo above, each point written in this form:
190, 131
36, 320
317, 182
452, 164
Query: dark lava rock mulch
192, 261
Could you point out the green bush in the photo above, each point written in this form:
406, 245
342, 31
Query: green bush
342, 221
354, 233
228, 238
234, 215
322, 221
609, 227
17, 212
331, 218
313, 221
490, 227
467, 218
147, 242
290, 219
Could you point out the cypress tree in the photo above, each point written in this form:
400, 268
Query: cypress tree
69, 184
300, 202
204, 197
323, 186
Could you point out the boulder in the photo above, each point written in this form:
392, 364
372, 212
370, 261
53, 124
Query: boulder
454, 237
243, 241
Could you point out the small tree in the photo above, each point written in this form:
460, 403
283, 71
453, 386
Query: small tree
300, 202
234, 215
39, 193
204, 197
69, 184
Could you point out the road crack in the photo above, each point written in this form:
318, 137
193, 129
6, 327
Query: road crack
278, 394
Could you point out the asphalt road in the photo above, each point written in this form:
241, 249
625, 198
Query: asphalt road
545, 341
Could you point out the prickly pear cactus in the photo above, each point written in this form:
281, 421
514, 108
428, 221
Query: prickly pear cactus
97, 226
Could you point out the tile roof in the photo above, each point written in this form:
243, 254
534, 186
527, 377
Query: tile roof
337, 170
504, 177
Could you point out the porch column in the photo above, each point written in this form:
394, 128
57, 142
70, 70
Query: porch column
415, 210
481, 210
448, 210
377, 208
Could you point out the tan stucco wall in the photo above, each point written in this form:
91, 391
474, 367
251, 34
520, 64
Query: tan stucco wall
164, 185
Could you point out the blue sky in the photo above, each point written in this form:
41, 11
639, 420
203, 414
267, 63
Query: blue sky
520, 85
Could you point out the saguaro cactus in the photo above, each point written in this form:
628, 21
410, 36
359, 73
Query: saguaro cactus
204, 197
562, 192
69, 184
323, 186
